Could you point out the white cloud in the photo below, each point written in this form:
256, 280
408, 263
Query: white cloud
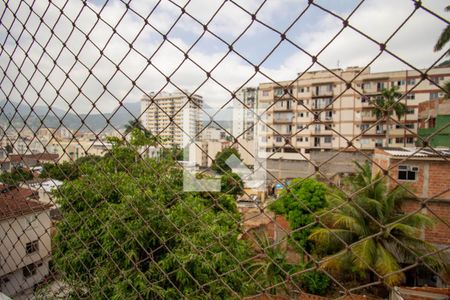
376, 18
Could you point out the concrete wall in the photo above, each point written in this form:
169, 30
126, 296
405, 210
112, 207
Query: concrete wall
331, 163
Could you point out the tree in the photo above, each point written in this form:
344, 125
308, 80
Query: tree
136, 124
444, 37
298, 204
129, 231
387, 103
446, 88
372, 224
16, 176
60, 171
219, 165
231, 184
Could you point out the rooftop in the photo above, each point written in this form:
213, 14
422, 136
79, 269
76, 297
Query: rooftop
15, 201
418, 152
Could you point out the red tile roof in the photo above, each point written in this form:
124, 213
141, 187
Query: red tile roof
15, 201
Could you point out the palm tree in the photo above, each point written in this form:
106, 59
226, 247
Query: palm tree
444, 37
136, 124
387, 103
380, 235
272, 267
446, 87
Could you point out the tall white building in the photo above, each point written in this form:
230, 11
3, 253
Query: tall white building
174, 117
243, 116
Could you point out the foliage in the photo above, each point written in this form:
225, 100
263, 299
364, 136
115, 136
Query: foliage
315, 282
357, 223
446, 87
130, 231
272, 268
219, 164
231, 184
175, 153
444, 37
298, 204
16, 176
60, 171
136, 124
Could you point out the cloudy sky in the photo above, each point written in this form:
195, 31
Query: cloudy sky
74, 40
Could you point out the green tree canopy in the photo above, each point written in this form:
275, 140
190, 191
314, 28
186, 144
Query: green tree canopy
298, 204
16, 176
129, 231
219, 165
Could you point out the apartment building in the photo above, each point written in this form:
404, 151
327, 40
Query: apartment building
244, 106
324, 110
175, 117
25, 247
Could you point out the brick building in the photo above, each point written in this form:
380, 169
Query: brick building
426, 173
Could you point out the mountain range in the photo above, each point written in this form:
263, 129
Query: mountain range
53, 117
20, 113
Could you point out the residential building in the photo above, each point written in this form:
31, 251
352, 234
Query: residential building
244, 109
175, 117
25, 247
434, 122
425, 173
322, 110
213, 134
206, 151
26, 160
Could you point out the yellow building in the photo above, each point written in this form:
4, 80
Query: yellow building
323, 110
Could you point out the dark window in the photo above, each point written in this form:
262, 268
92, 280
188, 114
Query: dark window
32, 247
407, 172
29, 270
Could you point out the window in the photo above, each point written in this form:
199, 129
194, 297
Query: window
327, 139
299, 126
278, 139
398, 140
364, 141
265, 93
364, 127
410, 111
407, 172
306, 139
29, 270
411, 96
366, 85
279, 92
300, 115
380, 86
411, 82
32, 247
299, 139
410, 140
365, 99
434, 95
328, 115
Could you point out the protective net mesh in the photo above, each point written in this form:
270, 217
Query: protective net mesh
217, 150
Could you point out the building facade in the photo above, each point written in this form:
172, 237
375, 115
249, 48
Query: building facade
174, 117
323, 110
244, 108
25, 247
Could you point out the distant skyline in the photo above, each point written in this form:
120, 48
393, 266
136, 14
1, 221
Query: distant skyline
377, 18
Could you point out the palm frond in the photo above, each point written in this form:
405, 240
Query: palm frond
365, 253
386, 265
